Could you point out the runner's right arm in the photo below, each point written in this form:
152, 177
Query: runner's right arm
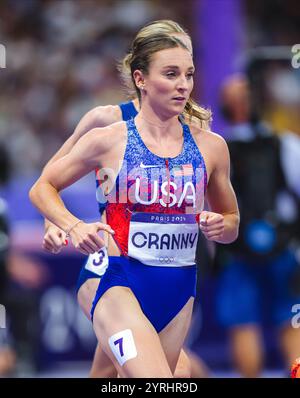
84, 157
101, 116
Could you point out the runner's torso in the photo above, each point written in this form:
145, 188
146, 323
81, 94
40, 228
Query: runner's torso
154, 202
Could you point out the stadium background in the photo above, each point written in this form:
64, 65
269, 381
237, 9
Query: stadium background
60, 62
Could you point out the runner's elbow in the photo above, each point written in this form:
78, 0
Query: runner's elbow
33, 193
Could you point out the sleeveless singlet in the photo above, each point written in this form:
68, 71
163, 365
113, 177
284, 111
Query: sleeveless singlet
150, 189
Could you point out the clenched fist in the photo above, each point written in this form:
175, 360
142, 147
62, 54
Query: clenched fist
54, 239
85, 236
212, 225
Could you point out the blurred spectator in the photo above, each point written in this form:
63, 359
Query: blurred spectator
260, 276
20, 280
61, 63
7, 353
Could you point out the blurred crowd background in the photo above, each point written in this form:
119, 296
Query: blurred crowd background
61, 61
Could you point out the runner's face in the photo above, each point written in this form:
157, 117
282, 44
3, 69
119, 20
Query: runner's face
169, 82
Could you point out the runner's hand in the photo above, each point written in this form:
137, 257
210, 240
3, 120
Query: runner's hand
212, 225
85, 236
54, 238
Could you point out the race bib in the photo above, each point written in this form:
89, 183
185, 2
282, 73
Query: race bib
98, 262
163, 239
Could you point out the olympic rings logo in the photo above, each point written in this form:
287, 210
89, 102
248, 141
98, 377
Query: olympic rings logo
166, 260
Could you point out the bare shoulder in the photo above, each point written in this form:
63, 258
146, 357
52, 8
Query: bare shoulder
107, 137
213, 148
100, 116
208, 138
104, 115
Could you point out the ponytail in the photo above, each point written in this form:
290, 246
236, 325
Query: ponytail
194, 111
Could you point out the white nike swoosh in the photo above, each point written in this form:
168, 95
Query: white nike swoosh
147, 166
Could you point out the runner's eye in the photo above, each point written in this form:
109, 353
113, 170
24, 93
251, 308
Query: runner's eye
171, 74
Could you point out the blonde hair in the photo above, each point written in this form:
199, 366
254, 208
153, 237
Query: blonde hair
193, 112
154, 37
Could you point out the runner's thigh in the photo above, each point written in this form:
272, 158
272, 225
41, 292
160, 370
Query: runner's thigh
86, 295
127, 336
173, 335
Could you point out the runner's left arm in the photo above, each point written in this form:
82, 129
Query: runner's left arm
221, 223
